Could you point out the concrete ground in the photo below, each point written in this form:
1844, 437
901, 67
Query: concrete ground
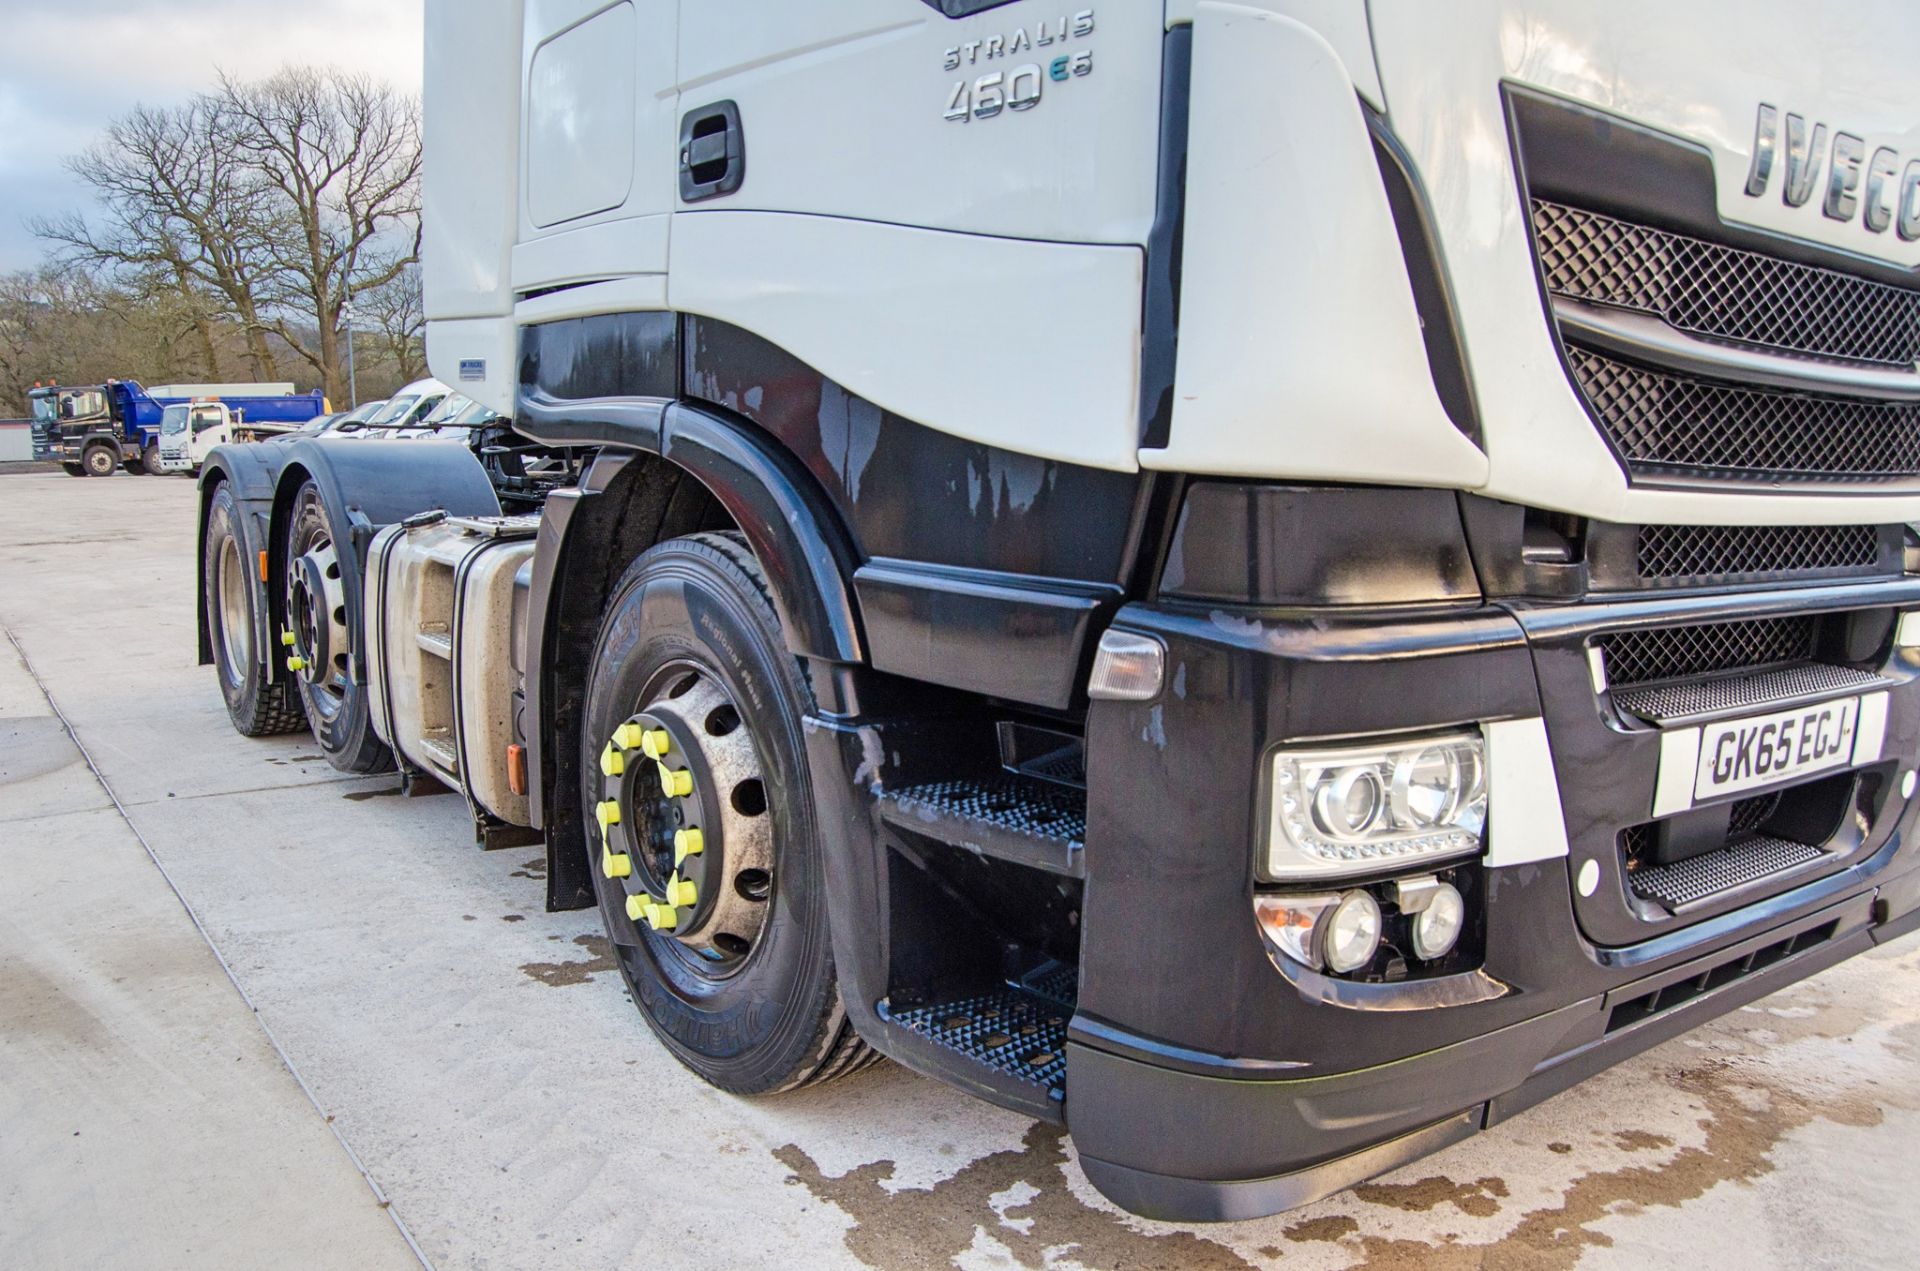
479, 1057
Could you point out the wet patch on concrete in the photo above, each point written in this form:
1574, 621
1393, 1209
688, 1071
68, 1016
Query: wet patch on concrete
361, 796
535, 869
561, 975
289, 760
1742, 1122
1478, 1199
1640, 1141
1017, 1200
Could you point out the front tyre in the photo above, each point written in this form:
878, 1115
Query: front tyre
323, 622
150, 462
74, 469
100, 461
258, 704
707, 854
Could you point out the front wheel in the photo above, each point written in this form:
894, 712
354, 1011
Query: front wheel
322, 622
258, 703
74, 469
708, 857
100, 461
150, 462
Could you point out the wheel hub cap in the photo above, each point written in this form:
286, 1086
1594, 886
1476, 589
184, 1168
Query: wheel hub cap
683, 823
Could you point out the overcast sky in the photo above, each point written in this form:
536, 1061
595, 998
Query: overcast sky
68, 67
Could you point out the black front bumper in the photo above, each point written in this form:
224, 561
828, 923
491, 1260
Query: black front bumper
1222, 1086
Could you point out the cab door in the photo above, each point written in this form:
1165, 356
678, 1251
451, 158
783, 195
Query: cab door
600, 136
207, 427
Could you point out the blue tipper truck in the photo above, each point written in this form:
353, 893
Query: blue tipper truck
96, 429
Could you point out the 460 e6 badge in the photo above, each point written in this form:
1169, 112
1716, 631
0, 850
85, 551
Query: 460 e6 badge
1021, 87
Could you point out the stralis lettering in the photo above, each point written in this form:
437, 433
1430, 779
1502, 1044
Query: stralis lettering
1891, 196
1045, 34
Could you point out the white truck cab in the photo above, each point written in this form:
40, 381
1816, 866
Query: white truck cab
189, 432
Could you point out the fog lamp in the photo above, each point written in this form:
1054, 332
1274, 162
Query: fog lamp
1437, 914
1349, 934
1361, 809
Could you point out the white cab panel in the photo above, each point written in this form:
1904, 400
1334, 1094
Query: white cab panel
844, 109
472, 144
1698, 71
1300, 346
580, 118
1341, 23
1034, 347
600, 140
477, 356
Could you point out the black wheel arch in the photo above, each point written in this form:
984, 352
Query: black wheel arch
659, 464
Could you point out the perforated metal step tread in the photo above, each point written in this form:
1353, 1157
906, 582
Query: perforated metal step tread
1701, 878
1016, 818
1014, 1033
1784, 686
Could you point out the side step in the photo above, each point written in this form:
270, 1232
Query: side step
1006, 816
1016, 1033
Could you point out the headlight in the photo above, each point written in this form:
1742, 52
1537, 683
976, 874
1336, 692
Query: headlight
1360, 809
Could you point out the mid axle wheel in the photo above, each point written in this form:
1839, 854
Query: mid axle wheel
318, 641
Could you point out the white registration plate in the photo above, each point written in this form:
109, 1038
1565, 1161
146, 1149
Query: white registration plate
1747, 754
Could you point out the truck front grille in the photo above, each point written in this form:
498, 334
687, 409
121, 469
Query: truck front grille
1675, 653
1725, 292
1704, 554
1663, 423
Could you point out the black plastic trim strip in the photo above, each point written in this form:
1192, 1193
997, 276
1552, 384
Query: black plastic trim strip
1440, 325
1160, 348
964, 8
1001, 635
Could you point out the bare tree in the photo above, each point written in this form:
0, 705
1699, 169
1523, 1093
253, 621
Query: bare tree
182, 218
340, 154
396, 317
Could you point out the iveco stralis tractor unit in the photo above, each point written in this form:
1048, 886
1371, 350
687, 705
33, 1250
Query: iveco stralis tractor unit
1272, 581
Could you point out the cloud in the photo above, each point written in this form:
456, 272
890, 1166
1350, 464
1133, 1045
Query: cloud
69, 67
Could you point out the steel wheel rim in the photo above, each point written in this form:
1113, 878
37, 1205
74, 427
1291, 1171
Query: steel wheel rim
236, 630
316, 601
738, 904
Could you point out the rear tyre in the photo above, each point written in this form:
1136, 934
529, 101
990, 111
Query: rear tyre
323, 616
150, 462
258, 705
735, 974
100, 461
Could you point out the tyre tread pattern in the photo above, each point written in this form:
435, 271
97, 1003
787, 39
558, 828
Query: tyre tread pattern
838, 1050
276, 712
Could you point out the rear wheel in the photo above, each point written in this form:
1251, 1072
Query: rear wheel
100, 461
323, 620
708, 857
258, 705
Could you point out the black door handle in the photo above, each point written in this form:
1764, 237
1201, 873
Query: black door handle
713, 152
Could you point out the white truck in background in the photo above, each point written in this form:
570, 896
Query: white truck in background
1273, 581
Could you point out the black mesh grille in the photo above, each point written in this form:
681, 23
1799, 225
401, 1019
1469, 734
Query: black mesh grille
1663, 702
1668, 423
1671, 653
1726, 292
1686, 553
